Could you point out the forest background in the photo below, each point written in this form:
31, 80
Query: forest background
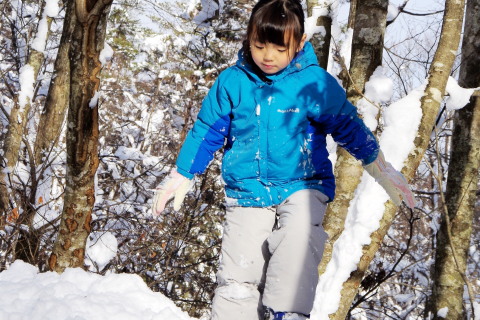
97, 96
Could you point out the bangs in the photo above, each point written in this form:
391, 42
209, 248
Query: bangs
275, 30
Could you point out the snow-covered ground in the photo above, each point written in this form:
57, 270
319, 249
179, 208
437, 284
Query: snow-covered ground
76, 294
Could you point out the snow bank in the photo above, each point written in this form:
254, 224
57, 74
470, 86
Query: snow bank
76, 294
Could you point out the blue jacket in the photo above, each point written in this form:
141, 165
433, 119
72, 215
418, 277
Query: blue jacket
274, 131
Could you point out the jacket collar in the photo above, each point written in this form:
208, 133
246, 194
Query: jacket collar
305, 58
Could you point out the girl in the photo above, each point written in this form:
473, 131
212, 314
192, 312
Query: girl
272, 111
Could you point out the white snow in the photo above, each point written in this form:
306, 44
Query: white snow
76, 294
458, 96
378, 89
125, 153
442, 312
106, 54
209, 9
346, 48
436, 94
27, 78
101, 248
51, 10
40, 40
311, 27
94, 101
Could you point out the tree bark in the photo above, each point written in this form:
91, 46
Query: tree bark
448, 277
56, 103
82, 133
48, 133
320, 41
367, 47
17, 122
437, 80
351, 14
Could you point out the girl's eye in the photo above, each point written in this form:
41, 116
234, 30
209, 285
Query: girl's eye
282, 50
258, 46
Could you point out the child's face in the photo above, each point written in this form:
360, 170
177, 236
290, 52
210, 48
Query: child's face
272, 58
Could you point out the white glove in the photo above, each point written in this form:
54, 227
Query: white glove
391, 180
174, 186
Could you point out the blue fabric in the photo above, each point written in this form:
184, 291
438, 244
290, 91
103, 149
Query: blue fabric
281, 315
274, 131
278, 315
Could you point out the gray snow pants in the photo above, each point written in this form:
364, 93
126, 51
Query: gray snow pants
270, 258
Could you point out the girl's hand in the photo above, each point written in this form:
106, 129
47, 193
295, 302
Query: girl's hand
391, 180
174, 186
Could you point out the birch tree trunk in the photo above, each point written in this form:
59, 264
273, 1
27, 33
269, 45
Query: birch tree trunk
82, 133
430, 102
17, 123
449, 281
56, 103
367, 47
437, 80
321, 41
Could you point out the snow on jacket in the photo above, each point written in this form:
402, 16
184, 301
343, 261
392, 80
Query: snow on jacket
274, 131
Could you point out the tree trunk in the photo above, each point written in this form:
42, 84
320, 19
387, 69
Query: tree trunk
437, 80
56, 104
48, 133
82, 133
321, 41
448, 287
17, 123
351, 14
50, 124
367, 50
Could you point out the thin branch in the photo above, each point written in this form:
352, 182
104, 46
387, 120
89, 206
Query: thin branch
418, 14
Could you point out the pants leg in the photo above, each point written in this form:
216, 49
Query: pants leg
296, 248
243, 264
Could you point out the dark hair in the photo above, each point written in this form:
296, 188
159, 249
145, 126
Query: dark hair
271, 21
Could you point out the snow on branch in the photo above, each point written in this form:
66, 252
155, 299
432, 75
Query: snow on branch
458, 96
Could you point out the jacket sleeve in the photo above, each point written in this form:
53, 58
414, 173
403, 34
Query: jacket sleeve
338, 117
208, 132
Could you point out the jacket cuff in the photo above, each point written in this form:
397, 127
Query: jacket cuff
371, 158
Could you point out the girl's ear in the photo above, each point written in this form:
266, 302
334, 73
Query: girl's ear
302, 42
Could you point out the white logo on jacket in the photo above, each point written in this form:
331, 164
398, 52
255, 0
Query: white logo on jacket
291, 110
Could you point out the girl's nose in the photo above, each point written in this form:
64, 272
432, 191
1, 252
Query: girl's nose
268, 56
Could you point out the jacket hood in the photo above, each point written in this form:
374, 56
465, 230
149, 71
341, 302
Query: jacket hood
304, 58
